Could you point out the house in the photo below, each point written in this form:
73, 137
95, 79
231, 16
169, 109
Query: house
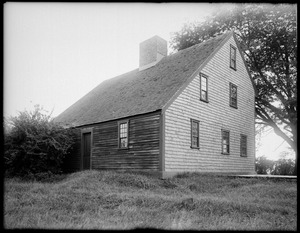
190, 111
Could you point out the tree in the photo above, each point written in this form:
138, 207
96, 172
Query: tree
267, 37
34, 143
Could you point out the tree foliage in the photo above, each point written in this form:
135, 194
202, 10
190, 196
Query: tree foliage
282, 166
34, 143
267, 37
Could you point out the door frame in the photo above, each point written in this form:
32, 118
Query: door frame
83, 131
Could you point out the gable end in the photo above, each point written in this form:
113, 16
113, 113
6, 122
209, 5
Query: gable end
180, 90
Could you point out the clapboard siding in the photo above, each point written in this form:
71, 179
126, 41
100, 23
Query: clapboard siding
213, 117
143, 150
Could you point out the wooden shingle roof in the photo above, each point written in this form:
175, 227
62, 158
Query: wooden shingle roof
138, 92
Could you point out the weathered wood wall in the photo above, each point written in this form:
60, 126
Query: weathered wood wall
143, 148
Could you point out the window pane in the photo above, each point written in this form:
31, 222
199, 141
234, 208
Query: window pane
233, 95
232, 57
123, 142
195, 127
233, 102
233, 63
123, 128
225, 142
233, 91
232, 53
244, 151
195, 141
194, 133
203, 84
225, 135
243, 145
123, 135
224, 148
203, 91
203, 95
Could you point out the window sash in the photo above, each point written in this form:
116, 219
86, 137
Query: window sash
123, 143
123, 134
225, 142
203, 87
204, 95
195, 141
243, 146
194, 133
233, 95
232, 57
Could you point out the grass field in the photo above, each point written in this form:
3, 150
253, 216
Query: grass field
128, 200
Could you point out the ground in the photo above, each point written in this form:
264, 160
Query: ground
128, 200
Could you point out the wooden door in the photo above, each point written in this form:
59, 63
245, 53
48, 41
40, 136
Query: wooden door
86, 157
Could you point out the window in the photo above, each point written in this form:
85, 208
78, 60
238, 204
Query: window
233, 95
203, 88
194, 133
123, 134
225, 142
243, 145
232, 57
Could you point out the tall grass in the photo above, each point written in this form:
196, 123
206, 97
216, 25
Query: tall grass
127, 200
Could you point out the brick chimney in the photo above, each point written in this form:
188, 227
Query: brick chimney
152, 51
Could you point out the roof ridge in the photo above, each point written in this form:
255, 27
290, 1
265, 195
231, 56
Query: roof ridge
209, 40
203, 42
118, 76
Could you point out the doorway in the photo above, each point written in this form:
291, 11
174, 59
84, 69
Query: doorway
86, 156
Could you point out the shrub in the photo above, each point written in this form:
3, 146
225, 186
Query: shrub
34, 144
284, 167
281, 166
263, 165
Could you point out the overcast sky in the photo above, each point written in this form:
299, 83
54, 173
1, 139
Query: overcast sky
55, 53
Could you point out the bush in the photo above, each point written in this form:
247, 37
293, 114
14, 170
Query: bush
34, 144
284, 167
263, 165
281, 166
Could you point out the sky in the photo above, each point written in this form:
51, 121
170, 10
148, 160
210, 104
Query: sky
55, 53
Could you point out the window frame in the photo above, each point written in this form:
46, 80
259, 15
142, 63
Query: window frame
198, 134
232, 60
222, 142
243, 148
119, 134
206, 77
230, 95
